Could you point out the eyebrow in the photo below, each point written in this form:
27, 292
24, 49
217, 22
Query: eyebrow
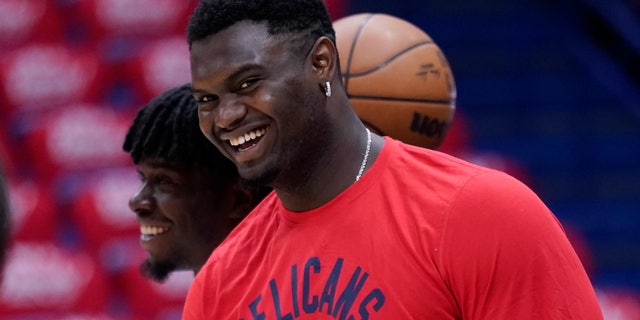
195, 91
235, 74
243, 69
159, 163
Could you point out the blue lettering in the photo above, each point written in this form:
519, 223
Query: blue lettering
348, 296
307, 305
276, 301
294, 290
375, 294
329, 292
337, 304
254, 309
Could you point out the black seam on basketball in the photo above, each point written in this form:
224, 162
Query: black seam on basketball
447, 102
353, 45
383, 64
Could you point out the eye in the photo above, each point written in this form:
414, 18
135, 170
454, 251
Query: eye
165, 184
248, 83
164, 180
206, 103
206, 99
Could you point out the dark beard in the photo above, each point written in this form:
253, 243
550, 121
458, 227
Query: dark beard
157, 270
264, 180
289, 175
294, 166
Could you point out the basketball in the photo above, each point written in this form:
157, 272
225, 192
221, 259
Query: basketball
398, 80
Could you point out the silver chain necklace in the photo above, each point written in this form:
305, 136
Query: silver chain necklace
366, 155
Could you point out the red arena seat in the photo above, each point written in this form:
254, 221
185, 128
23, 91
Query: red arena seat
337, 8
44, 76
43, 277
76, 138
7, 156
619, 303
100, 208
109, 18
158, 66
168, 297
26, 21
34, 215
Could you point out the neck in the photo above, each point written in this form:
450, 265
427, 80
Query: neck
196, 269
332, 174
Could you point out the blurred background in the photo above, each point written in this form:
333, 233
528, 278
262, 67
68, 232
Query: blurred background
548, 91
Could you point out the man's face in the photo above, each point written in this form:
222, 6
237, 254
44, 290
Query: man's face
259, 102
183, 215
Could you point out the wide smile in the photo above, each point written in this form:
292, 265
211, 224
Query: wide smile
247, 140
148, 232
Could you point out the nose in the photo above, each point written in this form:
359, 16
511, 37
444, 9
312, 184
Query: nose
230, 112
142, 201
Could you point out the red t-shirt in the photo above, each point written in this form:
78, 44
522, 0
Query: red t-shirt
422, 235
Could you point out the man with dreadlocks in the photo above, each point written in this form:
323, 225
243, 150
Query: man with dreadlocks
191, 196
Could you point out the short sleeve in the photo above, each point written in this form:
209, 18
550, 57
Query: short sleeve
193, 307
506, 256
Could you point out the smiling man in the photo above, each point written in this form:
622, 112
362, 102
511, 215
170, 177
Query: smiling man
359, 226
191, 196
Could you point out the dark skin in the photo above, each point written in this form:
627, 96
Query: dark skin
184, 214
311, 146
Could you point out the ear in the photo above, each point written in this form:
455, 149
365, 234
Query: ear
324, 58
242, 201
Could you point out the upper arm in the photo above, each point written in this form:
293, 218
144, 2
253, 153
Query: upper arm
506, 256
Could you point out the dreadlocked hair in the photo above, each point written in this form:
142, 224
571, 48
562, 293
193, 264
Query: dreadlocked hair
308, 19
167, 128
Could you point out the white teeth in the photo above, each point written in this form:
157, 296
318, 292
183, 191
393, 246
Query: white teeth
247, 137
153, 230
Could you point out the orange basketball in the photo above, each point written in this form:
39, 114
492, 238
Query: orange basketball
397, 78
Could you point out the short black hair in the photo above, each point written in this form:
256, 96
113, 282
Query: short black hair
308, 18
167, 128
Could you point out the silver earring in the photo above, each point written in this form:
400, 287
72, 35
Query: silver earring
327, 89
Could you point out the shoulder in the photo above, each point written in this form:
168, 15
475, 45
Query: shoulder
493, 205
499, 233
413, 159
248, 234
431, 172
497, 194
